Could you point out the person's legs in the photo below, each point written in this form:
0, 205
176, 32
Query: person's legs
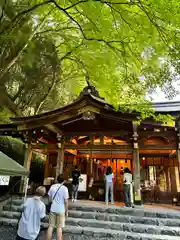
112, 192
107, 193
76, 191
52, 220
126, 198
129, 195
59, 233
60, 223
49, 233
73, 192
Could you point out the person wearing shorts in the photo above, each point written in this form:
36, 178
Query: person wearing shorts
59, 196
34, 211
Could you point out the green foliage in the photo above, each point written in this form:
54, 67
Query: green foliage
49, 49
5, 115
14, 148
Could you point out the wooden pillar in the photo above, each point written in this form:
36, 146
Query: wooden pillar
60, 159
96, 173
167, 179
178, 156
101, 139
91, 166
46, 172
75, 160
173, 181
61, 167
137, 175
27, 156
91, 140
27, 164
177, 129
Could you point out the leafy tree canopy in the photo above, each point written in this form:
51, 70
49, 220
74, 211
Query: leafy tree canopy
49, 48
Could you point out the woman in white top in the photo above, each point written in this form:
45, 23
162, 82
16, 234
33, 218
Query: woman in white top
109, 177
127, 187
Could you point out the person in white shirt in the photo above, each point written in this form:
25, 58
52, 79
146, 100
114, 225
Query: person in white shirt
127, 187
59, 196
34, 211
109, 178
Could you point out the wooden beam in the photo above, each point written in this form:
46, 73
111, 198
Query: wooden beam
98, 147
48, 146
78, 147
157, 147
53, 128
155, 134
98, 133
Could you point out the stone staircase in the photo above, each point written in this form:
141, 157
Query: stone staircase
92, 220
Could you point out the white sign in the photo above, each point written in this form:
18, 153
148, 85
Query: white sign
82, 183
4, 180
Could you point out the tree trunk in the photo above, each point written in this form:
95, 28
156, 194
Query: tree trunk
7, 102
47, 94
8, 63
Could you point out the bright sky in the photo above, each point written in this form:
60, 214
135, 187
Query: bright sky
159, 96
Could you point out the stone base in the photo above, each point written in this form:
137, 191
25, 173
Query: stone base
138, 202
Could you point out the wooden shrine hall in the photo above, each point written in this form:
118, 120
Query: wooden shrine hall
90, 133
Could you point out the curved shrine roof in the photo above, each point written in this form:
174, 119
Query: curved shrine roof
89, 96
172, 107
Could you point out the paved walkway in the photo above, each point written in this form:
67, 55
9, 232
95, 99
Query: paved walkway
9, 233
153, 207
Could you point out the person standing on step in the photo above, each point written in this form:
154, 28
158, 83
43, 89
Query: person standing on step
34, 211
127, 187
58, 195
109, 180
75, 183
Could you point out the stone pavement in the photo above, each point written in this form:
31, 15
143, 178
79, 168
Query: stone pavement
90, 220
9, 233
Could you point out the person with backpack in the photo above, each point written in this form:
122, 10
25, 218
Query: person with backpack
33, 211
58, 196
75, 183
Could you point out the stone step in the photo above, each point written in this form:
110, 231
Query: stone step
137, 212
91, 233
114, 225
108, 218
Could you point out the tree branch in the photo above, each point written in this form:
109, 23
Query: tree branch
57, 30
3, 8
7, 102
19, 15
131, 3
51, 87
161, 34
9, 64
75, 4
82, 64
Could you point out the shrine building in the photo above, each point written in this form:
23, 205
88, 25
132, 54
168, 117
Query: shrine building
89, 132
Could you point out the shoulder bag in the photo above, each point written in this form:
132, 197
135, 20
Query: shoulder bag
48, 206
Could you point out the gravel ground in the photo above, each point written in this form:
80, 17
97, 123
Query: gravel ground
9, 233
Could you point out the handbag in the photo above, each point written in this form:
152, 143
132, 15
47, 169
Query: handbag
48, 206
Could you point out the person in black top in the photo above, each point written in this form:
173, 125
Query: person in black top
75, 183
